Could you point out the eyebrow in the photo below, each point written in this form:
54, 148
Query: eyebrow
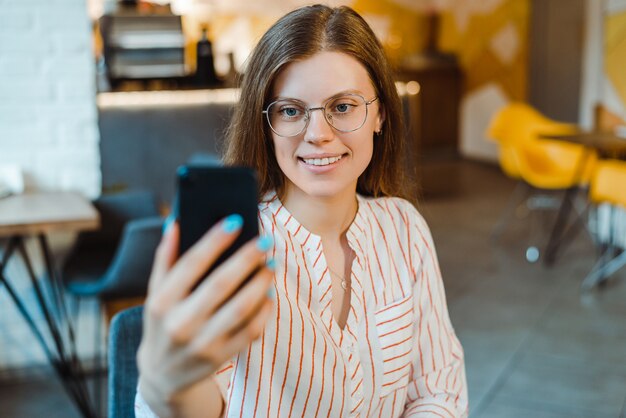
339, 94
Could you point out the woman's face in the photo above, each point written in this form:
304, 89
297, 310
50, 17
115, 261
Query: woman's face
322, 161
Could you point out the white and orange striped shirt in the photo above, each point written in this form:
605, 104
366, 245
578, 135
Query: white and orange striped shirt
398, 355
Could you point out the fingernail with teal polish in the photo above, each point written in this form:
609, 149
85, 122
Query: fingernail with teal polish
271, 293
271, 264
167, 224
264, 243
232, 223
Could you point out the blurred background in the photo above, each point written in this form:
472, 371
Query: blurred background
517, 146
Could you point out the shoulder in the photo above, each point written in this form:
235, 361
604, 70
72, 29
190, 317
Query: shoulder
399, 215
394, 209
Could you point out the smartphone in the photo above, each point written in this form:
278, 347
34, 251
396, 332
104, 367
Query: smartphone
207, 194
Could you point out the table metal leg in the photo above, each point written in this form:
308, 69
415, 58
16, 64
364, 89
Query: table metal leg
611, 259
559, 226
605, 267
66, 365
57, 290
563, 232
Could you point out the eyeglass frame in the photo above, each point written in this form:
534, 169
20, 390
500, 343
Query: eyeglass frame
308, 110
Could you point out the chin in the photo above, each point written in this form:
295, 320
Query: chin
322, 193
325, 189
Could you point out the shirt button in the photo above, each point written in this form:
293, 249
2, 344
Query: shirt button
351, 348
359, 394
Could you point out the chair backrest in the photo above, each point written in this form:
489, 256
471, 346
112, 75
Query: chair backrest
115, 211
509, 127
124, 338
608, 183
517, 128
128, 274
204, 158
115, 261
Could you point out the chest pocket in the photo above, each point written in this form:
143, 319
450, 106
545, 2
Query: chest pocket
394, 324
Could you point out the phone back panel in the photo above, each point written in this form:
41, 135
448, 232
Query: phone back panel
207, 194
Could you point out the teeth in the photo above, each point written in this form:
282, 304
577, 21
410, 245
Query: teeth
321, 161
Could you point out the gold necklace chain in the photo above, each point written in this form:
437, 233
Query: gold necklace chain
344, 282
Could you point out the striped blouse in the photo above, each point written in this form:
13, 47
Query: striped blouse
397, 356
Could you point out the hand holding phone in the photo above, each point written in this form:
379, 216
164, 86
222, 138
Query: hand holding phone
192, 328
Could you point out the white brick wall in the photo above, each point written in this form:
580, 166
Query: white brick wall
48, 119
48, 125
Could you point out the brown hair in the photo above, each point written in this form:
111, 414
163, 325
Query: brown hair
296, 36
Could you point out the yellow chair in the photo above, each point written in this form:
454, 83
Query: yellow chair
540, 164
506, 129
524, 154
608, 185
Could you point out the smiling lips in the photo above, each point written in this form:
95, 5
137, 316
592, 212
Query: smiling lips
322, 161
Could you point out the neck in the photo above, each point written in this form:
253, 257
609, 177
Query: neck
329, 217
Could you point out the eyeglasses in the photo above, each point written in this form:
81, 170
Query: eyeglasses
290, 117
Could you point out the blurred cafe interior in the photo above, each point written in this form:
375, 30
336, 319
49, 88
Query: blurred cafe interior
515, 116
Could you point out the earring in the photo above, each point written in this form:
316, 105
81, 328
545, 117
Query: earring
379, 132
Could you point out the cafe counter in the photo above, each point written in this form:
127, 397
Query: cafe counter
145, 136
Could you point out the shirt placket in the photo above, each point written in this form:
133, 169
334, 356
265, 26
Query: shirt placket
355, 375
352, 348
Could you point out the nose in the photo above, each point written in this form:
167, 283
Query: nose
318, 129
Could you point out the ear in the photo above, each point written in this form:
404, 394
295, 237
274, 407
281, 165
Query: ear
380, 118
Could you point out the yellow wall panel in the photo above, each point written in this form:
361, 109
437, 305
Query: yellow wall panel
407, 29
473, 47
615, 52
406, 35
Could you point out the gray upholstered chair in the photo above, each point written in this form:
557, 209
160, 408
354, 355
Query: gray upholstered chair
115, 261
113, 264
124, 338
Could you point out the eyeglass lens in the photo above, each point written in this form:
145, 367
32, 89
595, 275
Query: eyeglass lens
290, 117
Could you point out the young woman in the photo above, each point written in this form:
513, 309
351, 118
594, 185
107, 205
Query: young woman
356, 322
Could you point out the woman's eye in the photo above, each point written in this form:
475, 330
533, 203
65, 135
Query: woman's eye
290, 111
343, 107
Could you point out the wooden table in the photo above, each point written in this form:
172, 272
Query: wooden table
36, 215
606, 144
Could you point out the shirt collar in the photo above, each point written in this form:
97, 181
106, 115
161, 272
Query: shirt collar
306, 238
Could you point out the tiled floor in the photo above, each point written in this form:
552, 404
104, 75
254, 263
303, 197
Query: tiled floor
534, 345
41, 395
